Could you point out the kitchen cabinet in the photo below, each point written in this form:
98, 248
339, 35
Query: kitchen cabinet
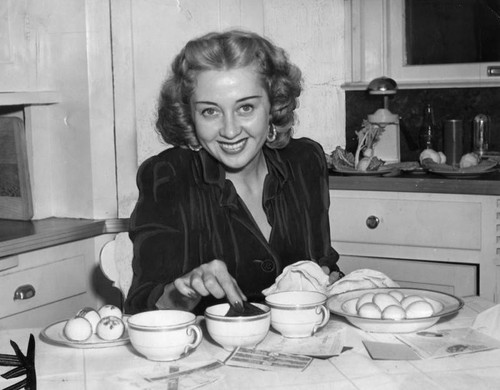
445, 242
48, 285
375, 46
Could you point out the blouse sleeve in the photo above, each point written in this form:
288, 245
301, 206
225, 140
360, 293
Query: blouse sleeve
157, 229
315, 172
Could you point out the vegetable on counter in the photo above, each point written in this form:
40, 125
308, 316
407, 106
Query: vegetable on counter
368, 136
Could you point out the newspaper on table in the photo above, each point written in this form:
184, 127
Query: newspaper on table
448, 342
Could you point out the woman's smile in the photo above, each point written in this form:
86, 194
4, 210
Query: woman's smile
233, 147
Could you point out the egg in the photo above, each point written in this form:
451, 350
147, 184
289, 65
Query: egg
91, 315
419, 309
382, 300
349, 306
110, 310
397, 294
436, 305
77, 329
110, 328
370, 310
367, 297
409, 299
393, 312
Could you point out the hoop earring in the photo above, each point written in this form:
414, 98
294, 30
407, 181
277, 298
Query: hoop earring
195, 148
271, 136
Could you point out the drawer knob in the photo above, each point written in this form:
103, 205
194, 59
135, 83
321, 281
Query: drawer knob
25, 291
372, 222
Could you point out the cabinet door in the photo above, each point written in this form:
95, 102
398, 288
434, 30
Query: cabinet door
455, 279
398, 68
17, 47
375, 40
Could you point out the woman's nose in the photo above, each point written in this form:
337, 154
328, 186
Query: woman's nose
230, 128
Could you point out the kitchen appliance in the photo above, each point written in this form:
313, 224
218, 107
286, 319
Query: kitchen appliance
388, 147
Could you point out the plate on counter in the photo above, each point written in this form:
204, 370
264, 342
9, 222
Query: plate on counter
448, 304
379, 172
483, 168
53, 334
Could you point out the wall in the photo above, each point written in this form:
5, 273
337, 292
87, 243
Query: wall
147, 34
63, 46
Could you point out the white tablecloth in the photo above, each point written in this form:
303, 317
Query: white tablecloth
122, 368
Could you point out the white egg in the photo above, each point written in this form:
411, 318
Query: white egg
397, 294
436, 305
419, 309
370, 310
91, 315
382, 300
110, 310
349, 306
393, 312
110, 328
367, 297
77, 329
409, 299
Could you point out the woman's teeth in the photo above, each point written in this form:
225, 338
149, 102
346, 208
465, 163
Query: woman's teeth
234, 147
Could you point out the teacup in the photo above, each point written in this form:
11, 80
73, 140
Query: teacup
298, 313
164, 335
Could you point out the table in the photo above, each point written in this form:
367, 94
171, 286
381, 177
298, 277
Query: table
62, 368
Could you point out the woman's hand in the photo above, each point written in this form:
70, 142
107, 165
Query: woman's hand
211, 278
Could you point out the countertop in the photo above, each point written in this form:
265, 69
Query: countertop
487, 184
24, 236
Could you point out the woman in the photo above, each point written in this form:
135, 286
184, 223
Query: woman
236, 199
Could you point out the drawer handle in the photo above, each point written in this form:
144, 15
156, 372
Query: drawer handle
23, 292
372, 222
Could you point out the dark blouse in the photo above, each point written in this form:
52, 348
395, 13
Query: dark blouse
188, 214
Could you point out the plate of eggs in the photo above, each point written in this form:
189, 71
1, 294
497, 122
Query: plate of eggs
393, 310
90, 328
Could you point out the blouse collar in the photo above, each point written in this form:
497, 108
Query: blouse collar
213, 174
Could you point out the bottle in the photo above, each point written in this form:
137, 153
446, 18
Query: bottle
428, 131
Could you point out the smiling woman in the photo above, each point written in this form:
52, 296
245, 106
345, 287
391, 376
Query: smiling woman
236, 199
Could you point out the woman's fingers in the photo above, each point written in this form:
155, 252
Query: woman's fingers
210, 279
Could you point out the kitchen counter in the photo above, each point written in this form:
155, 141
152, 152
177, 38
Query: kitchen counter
488, 184
23, 236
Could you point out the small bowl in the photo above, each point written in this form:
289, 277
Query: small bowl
232, 332
164, 335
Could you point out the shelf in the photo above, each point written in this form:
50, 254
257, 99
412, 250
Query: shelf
28, 98
362, 86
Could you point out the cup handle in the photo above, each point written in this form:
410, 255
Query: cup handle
326, 317
197, 339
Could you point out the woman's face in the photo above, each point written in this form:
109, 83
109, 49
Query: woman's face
230, 109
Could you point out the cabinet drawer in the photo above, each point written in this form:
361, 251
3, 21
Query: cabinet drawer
456, 279
418, 223
51, 282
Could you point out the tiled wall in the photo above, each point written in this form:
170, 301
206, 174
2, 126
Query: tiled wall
449, 103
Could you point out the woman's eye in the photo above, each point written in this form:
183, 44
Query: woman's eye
208, 112
246, 109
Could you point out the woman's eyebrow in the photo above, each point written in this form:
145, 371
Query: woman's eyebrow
237, 101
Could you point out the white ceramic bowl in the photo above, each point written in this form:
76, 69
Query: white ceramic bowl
450, 305
164, 335
298, 313
231, 332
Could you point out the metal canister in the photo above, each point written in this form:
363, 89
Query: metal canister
481, 134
